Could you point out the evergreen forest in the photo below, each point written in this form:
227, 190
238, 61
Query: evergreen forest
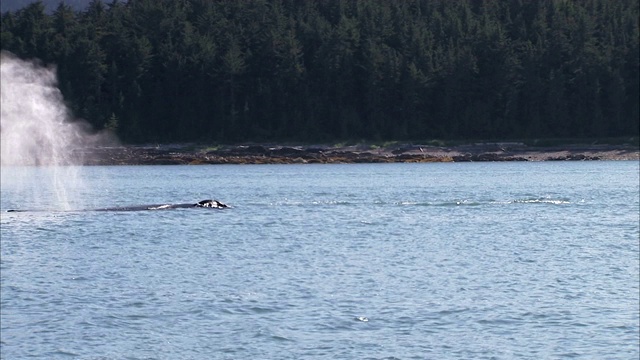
327, 70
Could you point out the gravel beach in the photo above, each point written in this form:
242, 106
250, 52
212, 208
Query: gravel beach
195, 154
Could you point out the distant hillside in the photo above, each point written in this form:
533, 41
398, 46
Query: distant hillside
333, 70
49, 5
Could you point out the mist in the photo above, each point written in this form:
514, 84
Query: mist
38, 130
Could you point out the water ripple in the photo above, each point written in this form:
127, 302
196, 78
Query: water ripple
401, 266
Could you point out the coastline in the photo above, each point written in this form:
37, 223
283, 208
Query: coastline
194, 154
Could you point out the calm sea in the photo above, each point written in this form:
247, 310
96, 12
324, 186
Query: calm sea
380, 261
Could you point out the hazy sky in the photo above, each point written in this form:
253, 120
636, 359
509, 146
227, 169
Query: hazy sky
50, 5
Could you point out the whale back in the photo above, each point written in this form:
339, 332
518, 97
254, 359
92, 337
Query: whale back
214, 204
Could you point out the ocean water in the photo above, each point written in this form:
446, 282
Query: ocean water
367, 261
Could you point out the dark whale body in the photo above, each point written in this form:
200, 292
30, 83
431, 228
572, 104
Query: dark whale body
213, 204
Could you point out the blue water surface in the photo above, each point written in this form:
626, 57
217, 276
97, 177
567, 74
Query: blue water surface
367, 261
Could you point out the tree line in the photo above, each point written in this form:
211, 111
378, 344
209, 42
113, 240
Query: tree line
323, 70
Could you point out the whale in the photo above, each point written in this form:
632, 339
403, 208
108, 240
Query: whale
210, 204
213, 204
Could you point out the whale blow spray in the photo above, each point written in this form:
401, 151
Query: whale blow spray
41, 144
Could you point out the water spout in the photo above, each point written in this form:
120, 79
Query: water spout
37, 130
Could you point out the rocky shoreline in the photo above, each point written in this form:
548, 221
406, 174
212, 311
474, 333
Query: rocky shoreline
191, 154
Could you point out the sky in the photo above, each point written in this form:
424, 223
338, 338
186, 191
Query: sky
50, 5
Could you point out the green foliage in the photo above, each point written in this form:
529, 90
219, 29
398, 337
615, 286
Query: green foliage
286, 70
112, 124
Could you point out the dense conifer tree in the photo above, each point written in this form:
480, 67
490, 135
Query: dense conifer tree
261, 70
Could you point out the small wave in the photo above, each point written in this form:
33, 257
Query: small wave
307, 203
541, 201
453, 203
436, 203
410, 203
281, 338
332, 202
65, 353
471, 202
406, 203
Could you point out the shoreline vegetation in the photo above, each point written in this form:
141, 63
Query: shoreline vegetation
232, 72
395, 152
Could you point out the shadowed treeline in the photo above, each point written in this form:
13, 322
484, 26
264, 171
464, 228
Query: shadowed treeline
198, 70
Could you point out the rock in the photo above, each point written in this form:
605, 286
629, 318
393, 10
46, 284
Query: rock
287, 151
